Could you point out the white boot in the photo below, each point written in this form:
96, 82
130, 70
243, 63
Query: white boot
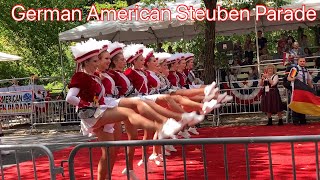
198, 119
141, 163
184, 134
209, 88
227, 99
169, 129
193, 130
156, 159
167, 153
132, 175
171, 148
191, 118
212, 94
208, 106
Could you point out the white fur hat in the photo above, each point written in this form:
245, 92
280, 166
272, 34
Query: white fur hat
85, 50
188, 56
132, 52
162, 57
115, 48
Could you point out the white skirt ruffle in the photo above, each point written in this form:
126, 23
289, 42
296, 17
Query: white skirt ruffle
87, 124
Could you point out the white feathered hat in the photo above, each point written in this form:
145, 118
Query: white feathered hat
115, 48
85, 50
147, 54
179, 56
104, 45
132, 52
188, 56
162, 57
173, 58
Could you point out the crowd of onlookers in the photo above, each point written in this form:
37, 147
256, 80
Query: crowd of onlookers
244, 65
244, 55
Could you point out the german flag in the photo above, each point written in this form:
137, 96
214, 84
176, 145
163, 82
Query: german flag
303, 99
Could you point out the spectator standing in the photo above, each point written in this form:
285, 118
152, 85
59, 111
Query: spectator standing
170, 50
281, 45
253, 72
270, 100
307, 52
179, 49
237, 50
262, 41
290, 41
248, 49
304, 41
296, 51
317, 53
304, 76
160, 49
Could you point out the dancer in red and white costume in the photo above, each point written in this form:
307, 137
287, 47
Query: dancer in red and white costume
87, 93
182, 97
192, 80
164, 59
122, 82
137, 76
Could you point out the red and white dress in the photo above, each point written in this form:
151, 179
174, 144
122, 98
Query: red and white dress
191, 79
109, 84
153, 82
87, 91
123, 84
182, 79
138, 79
165, 84
173, 78
111, 91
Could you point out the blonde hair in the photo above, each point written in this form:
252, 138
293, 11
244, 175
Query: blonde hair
272, 66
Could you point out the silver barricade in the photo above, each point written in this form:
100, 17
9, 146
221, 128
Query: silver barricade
41, 112
53, 112
53, 170
243, 103
204, 142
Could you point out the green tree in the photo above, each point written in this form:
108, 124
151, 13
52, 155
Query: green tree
37, 42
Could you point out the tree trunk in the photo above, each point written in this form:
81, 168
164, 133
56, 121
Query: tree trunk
210, 26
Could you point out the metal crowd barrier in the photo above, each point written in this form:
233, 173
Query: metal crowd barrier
43, 112
33, 149
50, 112
245, 141
242, 106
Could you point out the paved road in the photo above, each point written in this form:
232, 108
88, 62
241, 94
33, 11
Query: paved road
54, 142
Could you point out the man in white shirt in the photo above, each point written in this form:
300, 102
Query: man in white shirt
304, 76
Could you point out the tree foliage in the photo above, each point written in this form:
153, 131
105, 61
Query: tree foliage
37, 42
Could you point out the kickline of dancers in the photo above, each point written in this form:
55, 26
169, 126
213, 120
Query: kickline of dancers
133, 85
